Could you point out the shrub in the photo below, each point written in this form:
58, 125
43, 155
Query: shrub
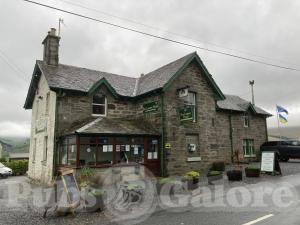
3, 160
214, 173
192, 175
166, 180
253, 167
218, 166
19, 167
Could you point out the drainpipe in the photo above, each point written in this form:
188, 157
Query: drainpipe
162, 128
231, 136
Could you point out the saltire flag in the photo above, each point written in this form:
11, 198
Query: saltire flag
282, 113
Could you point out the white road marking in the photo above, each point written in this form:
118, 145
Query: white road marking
259, 219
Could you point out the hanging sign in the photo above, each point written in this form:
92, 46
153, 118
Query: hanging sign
186, 114
267, 161
150, 107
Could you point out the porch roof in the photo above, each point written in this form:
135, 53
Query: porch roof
118, 126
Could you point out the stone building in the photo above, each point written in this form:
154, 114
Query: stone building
172, 120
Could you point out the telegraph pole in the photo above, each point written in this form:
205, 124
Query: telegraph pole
251, 82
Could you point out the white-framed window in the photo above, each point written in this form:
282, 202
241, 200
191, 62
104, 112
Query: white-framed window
248, 148
190, 101
99, 105
246, 121
45, 152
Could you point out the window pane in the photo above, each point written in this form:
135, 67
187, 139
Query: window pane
105, 154
72, 155
189, 99
64, 155
99, 109
97, 99
88, 154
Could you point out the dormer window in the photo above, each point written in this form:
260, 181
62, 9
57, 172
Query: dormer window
99, 105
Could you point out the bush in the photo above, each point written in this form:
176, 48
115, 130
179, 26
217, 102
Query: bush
214, 173
3, 160
19, 167
218, 166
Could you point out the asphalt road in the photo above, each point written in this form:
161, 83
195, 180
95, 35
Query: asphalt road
237, 204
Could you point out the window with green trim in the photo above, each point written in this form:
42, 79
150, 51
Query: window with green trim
190, 101
248, 148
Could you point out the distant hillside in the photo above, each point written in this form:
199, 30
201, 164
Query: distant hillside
287, 132
13, 144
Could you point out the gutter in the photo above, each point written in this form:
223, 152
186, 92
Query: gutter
55, 135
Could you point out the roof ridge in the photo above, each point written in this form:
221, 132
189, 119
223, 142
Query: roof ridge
61, 64
170, 63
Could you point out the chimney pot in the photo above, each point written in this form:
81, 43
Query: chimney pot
53, 31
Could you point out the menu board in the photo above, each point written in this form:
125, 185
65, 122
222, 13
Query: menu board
267, 161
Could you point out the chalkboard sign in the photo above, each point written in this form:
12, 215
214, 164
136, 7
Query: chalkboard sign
267, 161
71, 188
66, 194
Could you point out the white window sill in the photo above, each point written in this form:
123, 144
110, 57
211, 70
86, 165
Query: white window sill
249, 156
99, 115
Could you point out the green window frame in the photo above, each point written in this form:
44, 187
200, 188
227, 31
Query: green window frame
248, 148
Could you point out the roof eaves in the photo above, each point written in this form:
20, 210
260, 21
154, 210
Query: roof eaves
32, 87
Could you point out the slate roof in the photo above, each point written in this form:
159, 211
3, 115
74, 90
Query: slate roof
104, 125
82, 79
235, 103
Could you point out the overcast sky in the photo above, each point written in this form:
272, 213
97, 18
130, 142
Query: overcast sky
253, 28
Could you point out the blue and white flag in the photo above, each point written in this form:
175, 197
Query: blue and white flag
282, 114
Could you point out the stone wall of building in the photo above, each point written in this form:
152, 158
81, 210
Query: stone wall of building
178, 133
72, 109
42, 132
255, 131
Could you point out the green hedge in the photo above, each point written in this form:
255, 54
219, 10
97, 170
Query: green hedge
19, 167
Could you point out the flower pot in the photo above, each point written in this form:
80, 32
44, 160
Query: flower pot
215, 177
252, 172
235, 175
191, 184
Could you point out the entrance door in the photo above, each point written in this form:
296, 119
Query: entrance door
152, 157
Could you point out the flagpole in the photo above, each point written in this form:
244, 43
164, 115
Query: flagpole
278, 123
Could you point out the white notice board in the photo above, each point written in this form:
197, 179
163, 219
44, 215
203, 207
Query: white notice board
267, 161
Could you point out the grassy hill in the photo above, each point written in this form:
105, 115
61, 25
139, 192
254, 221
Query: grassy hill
288, 132
14, 144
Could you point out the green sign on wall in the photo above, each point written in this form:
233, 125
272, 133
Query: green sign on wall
150, 107
186, 114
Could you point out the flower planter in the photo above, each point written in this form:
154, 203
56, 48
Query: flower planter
235, 175
252, 172
191, 184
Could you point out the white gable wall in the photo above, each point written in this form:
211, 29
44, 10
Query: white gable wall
42, 125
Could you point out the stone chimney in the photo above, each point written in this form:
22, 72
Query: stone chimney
51, 47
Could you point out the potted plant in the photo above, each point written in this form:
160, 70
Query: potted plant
235, 174
252, 171
168, 184
213, 175
192, 179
